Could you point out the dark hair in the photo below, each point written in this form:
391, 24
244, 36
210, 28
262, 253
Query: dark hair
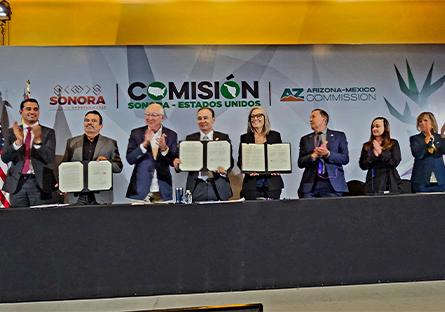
22, 103
323, 113
386, 136
211, 110
95, 112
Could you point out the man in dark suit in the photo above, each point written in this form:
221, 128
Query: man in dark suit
322, 155
31, 150
206, 185
151, 149
92, 146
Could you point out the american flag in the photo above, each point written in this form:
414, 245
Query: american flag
4, 197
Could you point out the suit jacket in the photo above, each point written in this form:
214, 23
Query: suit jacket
145, 165
42, 160
222, 183
249, 182
382, 173
105, 147
426, 163
339, 156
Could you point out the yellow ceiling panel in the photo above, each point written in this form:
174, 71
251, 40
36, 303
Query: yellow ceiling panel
129, 22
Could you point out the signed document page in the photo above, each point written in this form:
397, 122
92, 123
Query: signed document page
279, 157
71, 176
100, 175
253, 158
191, 154
218, 155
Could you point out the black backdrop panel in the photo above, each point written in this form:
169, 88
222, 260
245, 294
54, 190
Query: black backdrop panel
93, 252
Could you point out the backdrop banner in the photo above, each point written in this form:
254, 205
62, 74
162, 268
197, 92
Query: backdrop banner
354, 83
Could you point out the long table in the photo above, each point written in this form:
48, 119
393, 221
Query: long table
124, 250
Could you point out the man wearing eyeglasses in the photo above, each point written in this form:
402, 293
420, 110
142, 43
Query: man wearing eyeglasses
30, 148
207, 185
322, 155
151, 149
92, 146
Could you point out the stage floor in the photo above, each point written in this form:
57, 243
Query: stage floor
394, 297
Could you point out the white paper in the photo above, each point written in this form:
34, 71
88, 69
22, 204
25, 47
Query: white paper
191, 155
221, 201
71, 176
218, 155
100, 175
253, 159
278, 157
49, 206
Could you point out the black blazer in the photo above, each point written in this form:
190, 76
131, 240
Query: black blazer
42, 160
382, 173
222, 183
249, 183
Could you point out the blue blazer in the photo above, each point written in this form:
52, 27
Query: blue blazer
426, 163
145, 165
339, 156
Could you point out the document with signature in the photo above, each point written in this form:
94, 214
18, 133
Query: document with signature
218, 155
253, 158
100, 175
71, 176
191, 155
279, 157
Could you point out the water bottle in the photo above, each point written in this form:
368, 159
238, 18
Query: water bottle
188, 197
179, 194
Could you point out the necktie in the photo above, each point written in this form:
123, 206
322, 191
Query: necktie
27, 162
319, 138
154, 150
205, 174
321, 167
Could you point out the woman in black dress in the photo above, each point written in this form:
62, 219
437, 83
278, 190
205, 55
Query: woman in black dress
256, 185
380, 156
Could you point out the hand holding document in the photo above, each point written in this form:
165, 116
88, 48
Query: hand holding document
211, 155
270, 158
74, 178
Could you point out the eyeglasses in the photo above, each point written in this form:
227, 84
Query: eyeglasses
154, 115
258, 116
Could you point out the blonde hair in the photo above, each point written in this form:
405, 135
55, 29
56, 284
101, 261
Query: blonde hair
266, 126
430, 117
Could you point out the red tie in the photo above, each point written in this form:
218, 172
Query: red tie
27, 162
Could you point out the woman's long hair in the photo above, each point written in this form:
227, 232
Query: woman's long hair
266, 126
386, 136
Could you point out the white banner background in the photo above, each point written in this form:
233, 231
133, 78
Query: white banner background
78, 69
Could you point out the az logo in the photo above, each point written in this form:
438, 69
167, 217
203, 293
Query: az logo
292, 95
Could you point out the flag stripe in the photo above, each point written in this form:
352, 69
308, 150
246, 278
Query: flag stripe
2, 174
4, 200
